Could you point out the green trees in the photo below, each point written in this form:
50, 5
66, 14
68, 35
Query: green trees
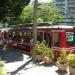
17, 11
27, 14
11, 9
47, 12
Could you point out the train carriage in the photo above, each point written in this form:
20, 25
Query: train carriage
56, 36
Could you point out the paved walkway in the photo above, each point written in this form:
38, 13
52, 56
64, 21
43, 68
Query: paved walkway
19, 63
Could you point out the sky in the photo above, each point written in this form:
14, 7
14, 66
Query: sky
43, 0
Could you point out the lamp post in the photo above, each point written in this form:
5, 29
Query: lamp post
35, 26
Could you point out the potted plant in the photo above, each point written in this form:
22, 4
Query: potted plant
2, 68
39, 51
43, 53
72, 64
48, 55
62, 61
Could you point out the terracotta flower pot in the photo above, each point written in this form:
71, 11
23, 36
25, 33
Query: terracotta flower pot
72, 70
38, 57
47, 59
62, 67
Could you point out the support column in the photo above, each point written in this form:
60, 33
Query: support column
62, 39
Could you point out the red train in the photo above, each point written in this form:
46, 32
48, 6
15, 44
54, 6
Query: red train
56, 36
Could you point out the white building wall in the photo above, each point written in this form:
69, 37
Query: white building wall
67, 7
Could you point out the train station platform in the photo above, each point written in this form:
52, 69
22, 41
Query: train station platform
19, 63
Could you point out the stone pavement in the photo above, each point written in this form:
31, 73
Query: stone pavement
19, 63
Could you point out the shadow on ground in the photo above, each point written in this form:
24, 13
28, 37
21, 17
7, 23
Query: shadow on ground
11, 55
61, 72
24, 66
21, 67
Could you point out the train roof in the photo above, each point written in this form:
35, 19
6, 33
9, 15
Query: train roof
56, 27
43, 26
48, 27
6, 29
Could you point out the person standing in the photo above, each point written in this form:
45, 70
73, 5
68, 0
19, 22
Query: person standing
1, 42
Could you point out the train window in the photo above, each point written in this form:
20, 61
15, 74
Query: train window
47, 38
16, 36
27, 36
39, 37
74, 39
70, 38
13, 34
56, 39
20, 33
10, 35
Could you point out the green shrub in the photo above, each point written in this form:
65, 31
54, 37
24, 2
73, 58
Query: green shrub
42, 48
71, 58
2, 68
63, 56
49, 52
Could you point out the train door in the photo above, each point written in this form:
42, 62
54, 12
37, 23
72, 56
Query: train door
58, 41
47, 38
55, 39
58, 38
40, 36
